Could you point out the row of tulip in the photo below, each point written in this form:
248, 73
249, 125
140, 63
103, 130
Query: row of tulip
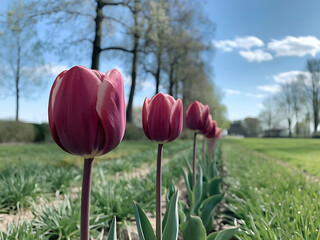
87, 118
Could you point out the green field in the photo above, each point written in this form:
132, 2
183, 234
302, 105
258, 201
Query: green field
270, 198
50, 153
302, 153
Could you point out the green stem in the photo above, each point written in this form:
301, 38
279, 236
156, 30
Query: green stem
158, 195
194, 159
85, 199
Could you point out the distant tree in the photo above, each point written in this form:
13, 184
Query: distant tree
286, 104
268, 115
252, 127
298, 100
20, 53
312, 86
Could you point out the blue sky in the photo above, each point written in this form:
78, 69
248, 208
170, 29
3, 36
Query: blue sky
259, 44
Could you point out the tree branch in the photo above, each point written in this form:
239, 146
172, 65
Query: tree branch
116, 48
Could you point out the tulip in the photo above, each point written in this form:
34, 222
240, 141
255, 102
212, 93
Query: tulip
213, 139
197, 119
87, 118
162, 120
209, 132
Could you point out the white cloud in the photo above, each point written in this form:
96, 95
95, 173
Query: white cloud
239, 43
232, 92
270, 88
256, 95
291, 76
257, 55
295, 46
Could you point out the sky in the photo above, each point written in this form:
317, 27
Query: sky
259, 45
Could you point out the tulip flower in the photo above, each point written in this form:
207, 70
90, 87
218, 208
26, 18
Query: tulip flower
209, 132
197, 119
87, 118
162, 120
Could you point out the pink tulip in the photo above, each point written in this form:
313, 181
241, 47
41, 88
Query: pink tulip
211, 129
197, 116
87, 111
162, 118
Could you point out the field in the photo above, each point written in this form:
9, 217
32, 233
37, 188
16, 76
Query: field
270, 192
302, 153
41, 184
273, 198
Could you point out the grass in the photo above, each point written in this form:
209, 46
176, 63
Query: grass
36, 185
272, 200
50, 153
302, 153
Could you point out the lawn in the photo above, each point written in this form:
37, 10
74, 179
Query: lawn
50, 153
270, 198
302, 153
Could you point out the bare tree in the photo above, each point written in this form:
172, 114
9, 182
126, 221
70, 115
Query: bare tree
21, 55
286, 104
313, 89
268, 115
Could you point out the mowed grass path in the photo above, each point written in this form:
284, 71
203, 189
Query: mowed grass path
50, 153
302, 153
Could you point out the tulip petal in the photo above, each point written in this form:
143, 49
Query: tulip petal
73, 108
193, 115
159, 111
53, 93
176, 120
145, 117
110, 107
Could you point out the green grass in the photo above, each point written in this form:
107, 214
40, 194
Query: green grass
272, 200
50, 153
302, 153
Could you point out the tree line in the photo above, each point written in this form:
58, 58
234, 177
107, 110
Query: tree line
169, 41
298, 101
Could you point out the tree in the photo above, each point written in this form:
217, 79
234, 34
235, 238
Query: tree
268, 115
21, 54
313, 89
286, 103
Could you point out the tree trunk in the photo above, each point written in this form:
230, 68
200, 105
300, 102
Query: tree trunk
289, 127
134, 67
95, 60
18, 78
157, 76
297, 125
171, 83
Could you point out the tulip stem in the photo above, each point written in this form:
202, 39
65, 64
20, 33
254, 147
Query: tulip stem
85, 198
203, 149
194, 160
158, 195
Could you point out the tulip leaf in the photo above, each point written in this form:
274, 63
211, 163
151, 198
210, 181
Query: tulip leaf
193, 229
171, 228
144, 227
187, 183
113, 230
214, 186
207, 208
197, 193
189, 168
170, 192
223, 235
213, 169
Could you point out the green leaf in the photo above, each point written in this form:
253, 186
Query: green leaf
113, 230
214, 186
171, 228
170, 192
193, 229
213, 169
189, 168
187, 183
223, 235
207, 208
144, 227
197, 193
